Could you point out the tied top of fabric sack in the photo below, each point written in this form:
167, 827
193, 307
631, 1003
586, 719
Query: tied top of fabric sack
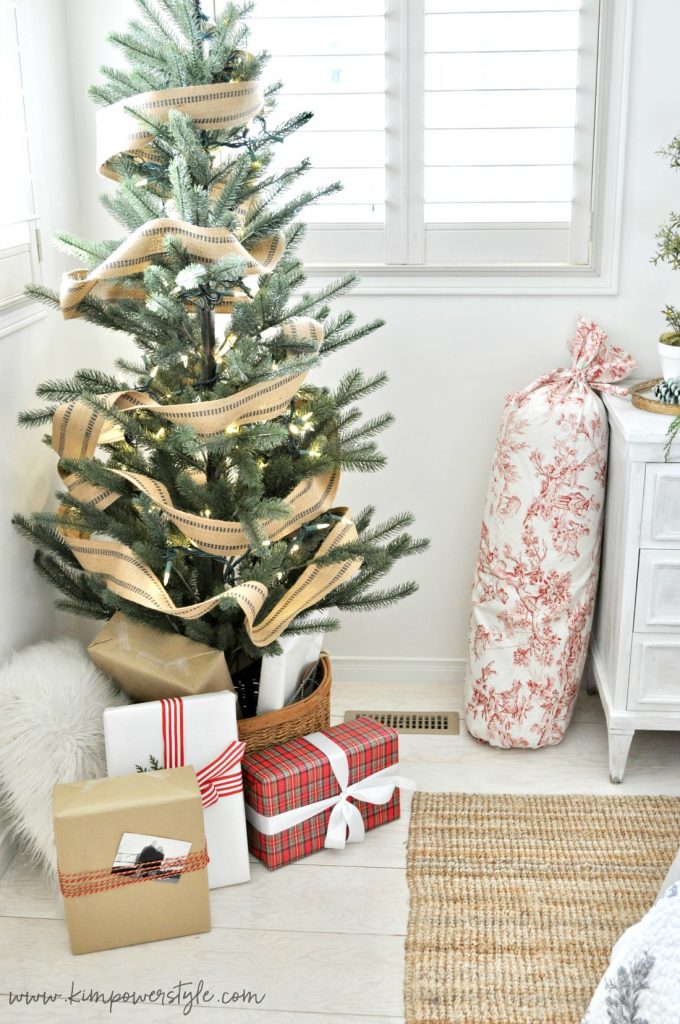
595, 364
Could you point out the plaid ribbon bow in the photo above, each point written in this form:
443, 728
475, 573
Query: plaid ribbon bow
221, 777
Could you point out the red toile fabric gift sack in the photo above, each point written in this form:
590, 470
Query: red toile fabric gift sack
321, 790
539, 556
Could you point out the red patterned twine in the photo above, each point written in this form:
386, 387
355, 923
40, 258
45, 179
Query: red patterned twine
88, 883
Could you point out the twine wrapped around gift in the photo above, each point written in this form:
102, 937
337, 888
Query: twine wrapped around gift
90, 883
78, 428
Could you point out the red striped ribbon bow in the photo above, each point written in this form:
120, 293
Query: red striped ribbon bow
221, 777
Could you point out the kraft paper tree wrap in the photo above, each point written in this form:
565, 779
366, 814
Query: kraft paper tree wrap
200, 480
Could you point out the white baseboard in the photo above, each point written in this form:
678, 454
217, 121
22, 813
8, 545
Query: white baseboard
445, 671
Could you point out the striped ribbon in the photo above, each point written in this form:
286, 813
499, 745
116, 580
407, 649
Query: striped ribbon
221, 776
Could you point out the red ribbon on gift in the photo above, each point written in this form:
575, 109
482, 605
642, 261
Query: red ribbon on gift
221, 777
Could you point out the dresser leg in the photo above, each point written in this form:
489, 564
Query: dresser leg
619, 745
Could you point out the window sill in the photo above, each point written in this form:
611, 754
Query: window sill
20, 315
473, 280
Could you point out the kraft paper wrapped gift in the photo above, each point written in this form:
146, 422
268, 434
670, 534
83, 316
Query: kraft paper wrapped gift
321, 790
150, 665
199, 731
104, 909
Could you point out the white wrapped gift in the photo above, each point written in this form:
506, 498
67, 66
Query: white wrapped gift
281, 674
200, 731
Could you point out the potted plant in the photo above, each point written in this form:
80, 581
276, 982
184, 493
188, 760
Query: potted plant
669, 353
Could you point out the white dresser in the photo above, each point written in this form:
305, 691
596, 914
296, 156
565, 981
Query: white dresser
635, 651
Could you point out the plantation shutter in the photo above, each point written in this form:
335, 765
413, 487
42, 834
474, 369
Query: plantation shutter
18, 220
331, 58
463, 130
509, 91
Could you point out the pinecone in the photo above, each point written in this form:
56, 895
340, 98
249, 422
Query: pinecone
668, 391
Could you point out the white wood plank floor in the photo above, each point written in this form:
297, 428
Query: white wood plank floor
321, 940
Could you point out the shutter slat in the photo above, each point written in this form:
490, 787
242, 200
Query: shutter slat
500, 109
331, 61
553, 70
501, 32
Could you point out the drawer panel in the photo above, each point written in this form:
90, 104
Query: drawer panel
661, 506
654, 683
657, 603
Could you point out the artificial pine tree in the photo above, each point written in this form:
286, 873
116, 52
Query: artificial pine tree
223, 181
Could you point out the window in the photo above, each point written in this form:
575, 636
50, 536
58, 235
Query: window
465, 131
331, 58
19, 238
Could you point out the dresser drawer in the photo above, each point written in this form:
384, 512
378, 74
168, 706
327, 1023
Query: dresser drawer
654, 682
661, 506
657, 602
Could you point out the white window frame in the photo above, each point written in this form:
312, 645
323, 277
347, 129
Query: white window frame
595, 235
19, 312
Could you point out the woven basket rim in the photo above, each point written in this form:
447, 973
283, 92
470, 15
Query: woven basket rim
250, 727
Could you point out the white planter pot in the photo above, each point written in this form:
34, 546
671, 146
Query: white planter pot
281, 675
670, 360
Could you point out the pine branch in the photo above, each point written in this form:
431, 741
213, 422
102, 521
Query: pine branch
376, 600
46, 295
354, 386
36, 417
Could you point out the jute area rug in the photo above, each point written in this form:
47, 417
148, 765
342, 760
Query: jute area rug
516, 901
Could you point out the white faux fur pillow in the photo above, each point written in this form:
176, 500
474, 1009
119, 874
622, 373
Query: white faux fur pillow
51, 698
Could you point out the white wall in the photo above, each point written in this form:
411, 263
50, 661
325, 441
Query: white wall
27, 467
450, 359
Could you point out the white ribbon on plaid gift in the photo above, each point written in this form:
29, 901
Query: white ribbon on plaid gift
345, 824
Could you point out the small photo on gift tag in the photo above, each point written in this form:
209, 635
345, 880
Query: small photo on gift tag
150, 857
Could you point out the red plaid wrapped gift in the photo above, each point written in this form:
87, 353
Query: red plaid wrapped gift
321, 790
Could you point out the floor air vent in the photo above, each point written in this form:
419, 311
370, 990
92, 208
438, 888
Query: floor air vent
436, 723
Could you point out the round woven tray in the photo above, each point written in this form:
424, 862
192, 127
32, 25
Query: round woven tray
643, 400
305, 716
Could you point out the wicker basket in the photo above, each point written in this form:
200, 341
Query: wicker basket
305, 716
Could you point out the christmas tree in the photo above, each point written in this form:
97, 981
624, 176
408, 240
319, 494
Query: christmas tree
200, 481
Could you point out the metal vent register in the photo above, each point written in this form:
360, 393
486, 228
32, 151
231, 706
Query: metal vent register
437, 723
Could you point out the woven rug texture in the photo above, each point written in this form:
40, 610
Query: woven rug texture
516, 901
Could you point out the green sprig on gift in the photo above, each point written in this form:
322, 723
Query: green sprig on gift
154, 765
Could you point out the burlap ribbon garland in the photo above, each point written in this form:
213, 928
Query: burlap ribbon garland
126, 575
78, 428
138, 252
217, 107
220, 537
